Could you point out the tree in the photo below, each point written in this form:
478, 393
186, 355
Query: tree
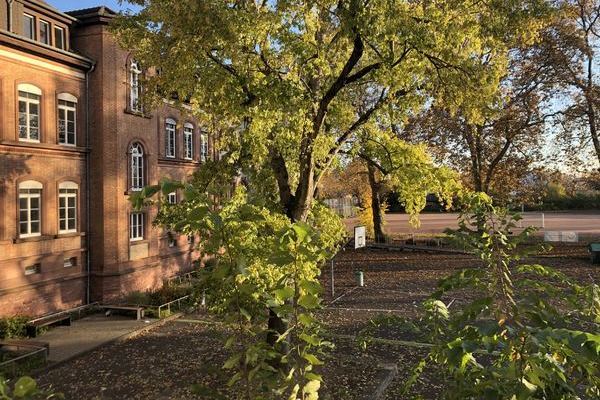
498, 146
291, 82
301, 77
571, 45
396, 166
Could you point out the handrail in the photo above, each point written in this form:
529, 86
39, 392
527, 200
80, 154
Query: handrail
168, 305
69, 311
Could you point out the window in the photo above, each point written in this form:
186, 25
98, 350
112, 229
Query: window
44, 32
135, 72
170, 138
33, 269
67, 207
137, 166
30, 196
67, 112
136, 227
172, 240
172, 198
70, 262
203, 147
29, 113
59, 37
29, 26
190, 239
188, 141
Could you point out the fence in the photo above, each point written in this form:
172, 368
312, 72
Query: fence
27, 358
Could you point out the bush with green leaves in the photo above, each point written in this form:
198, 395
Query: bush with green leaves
13, 327
263, 265
526, 332
25, 388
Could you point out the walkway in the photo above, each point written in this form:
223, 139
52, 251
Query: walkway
88, 333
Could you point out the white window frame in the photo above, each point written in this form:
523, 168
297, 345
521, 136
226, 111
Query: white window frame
172, 198
136, 165
48, 32
203, 147
63, 42
32, 33
136, 226
135, 72
29, 190
67, 103
188, 141
66, 191
171, 138
29, 95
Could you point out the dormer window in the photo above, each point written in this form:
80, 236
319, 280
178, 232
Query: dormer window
44, 32
59, 37
29, 26
135, 73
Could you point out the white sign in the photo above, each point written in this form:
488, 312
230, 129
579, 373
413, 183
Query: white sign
569, 237
552, 236
360, 237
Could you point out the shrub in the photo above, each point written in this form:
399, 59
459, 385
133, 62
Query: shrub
13, 327
529, 333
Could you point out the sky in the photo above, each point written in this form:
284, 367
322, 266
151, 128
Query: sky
67, 5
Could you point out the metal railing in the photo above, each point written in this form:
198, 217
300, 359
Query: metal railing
77, 310
10, 367
168, 305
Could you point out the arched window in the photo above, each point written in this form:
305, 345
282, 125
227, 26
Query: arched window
67, 119
30, 209
135, 89
29, 112
136, 154
203, 147
67, 207
188, 141
170, 133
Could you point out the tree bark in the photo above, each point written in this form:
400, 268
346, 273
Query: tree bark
376, 204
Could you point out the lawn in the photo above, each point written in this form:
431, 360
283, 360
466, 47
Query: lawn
166, 362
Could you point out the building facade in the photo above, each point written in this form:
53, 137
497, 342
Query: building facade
75, 143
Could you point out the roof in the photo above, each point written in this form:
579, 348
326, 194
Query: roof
44, 4
92, 11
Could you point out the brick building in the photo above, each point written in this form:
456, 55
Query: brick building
75, 142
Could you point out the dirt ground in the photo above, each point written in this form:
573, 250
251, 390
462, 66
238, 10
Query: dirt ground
164, 363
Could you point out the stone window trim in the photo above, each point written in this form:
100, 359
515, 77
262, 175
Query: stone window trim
26, 96
137, 166
137, 226
67, 103
68, 200
188, 141
170, 129
30, 208
204, 146
135, 74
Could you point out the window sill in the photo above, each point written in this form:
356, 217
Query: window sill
40, 238
138, 113
69, 235
134, 242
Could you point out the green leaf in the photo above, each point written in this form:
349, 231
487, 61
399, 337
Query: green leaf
309, 301
284, 293
25, 387
312, 359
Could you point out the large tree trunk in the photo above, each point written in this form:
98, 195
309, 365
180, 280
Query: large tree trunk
376, 204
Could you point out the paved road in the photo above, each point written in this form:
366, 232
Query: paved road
582, 222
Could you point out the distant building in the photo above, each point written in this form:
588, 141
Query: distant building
75, 142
